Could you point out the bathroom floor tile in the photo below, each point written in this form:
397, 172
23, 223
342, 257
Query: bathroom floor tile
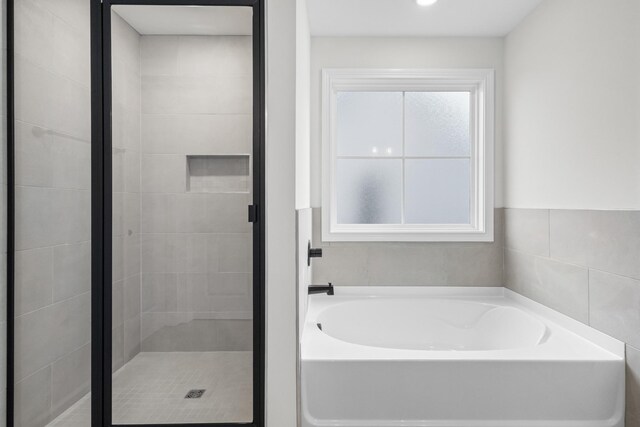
151, 388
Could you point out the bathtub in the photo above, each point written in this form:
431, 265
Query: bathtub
443, 356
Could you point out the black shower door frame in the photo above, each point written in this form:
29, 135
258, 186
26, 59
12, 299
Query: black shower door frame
101, 207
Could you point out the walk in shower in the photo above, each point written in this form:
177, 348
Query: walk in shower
138, 245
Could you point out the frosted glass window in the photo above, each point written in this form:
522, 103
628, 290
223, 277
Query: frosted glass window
369, 191
437, 124
369, 123
437, 191
407, 155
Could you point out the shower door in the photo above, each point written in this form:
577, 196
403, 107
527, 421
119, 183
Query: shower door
178, 197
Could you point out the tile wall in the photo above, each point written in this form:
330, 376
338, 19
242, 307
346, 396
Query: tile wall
585, 264
126, 191
408, 264
52, 259
304, 227
196, 245
304, 232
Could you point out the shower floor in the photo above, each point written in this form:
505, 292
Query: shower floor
151, 389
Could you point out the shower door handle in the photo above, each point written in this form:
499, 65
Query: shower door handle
253, 213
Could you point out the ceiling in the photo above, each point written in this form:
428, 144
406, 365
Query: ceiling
187, 20
446, 18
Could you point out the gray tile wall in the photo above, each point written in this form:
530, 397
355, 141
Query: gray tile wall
585, 264
409, 264
196, 246
304, 233
53, 270
126, 290
52, 207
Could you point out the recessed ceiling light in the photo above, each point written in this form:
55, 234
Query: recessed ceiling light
425, 2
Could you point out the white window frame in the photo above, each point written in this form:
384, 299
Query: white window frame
480, 83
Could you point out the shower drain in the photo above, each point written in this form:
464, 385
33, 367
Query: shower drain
195, 394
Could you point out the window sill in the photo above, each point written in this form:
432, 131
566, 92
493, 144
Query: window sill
409, 236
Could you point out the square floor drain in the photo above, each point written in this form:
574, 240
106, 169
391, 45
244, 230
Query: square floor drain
194, 394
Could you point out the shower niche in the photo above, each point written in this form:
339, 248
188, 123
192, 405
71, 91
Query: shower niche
219, 173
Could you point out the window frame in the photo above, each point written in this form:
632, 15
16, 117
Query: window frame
480, 84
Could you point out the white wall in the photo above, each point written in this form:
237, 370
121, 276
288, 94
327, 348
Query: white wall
281, 234
303, 88
572, 106
374, 52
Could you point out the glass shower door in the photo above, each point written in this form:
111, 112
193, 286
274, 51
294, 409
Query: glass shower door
182, 246
135, 275
50, 308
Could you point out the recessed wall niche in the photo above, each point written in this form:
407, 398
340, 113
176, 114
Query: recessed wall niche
218, 173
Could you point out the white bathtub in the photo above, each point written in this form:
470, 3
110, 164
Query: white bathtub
403, 356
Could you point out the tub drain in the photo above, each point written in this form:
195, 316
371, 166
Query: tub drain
195, 394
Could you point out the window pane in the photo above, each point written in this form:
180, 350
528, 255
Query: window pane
437, 191
369, 123
437, 124
369, 191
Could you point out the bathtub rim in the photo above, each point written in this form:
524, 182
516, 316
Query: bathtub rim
595, 345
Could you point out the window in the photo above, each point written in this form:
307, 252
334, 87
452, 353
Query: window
407, 155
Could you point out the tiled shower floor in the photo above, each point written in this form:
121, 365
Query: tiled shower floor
150, 389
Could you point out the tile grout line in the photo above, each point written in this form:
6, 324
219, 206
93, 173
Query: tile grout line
53, 303
589, 296
549, 231
50, 364
50, 70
